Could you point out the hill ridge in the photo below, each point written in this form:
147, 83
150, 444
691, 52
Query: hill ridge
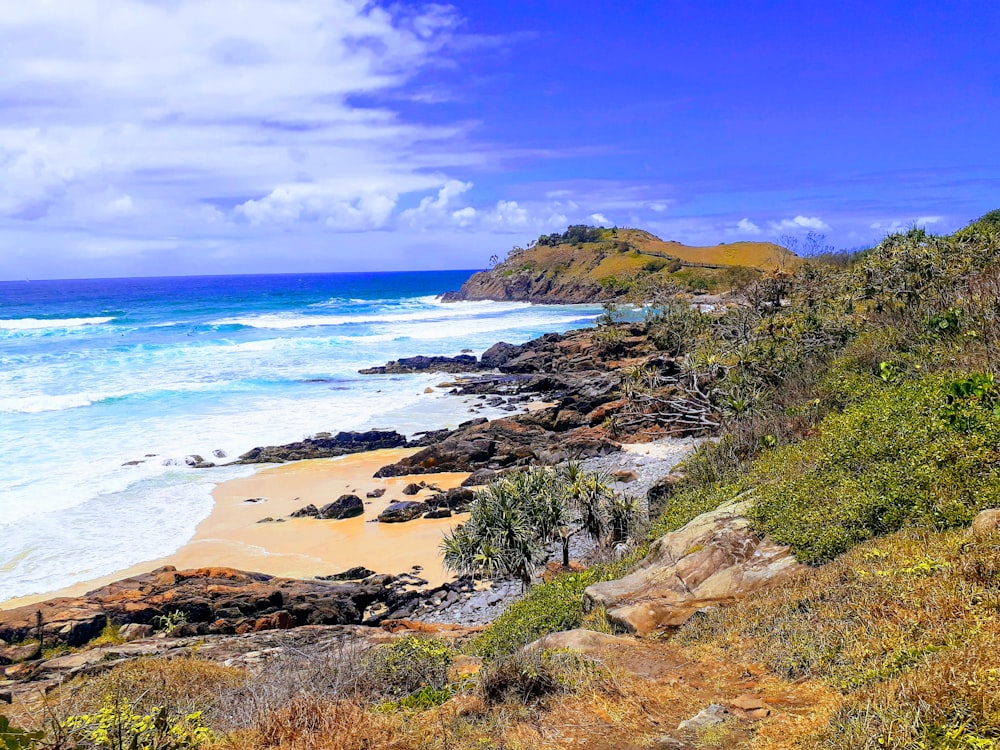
596, 264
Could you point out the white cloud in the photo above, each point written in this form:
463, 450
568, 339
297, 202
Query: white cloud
436, 209
464, 216
191, 108
896, 225
599, 219
801, 222
745, 226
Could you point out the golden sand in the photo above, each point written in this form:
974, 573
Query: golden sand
304, 547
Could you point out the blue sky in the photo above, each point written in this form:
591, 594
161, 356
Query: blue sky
155, 137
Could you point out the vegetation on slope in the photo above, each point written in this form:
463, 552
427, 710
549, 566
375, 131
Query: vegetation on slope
584, 264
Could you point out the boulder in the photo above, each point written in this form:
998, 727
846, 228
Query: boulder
438, 513
25, 652
499, 354
310, 511
986, 522
134, 631
714, 559
346, 506
403, 511
412, 488
376, 493
587, 642
459, 497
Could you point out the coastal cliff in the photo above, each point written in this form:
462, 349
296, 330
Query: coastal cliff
594, 264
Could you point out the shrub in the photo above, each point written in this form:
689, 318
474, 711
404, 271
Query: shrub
118, 725
407, 665
889, 461
523, 677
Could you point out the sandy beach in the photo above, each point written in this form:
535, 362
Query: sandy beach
232, 536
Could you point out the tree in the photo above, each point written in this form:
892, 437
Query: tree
516, 517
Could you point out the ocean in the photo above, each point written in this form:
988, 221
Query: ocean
106, 386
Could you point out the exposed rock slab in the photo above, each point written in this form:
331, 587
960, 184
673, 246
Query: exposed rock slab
712, 560
324, 446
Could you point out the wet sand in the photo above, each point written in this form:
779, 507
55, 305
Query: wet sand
304, 547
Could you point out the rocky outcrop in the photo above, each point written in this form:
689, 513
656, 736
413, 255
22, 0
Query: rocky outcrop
207, 600
712, 560
324, 445
501, 444
420, 363
531, 286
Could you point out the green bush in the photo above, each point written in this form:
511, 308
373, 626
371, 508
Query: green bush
408, 665
899, 458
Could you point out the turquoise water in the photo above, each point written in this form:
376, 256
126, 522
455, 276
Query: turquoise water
96, 374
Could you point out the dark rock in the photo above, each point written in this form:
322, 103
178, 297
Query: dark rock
266, 519
346, 506
402, 511
479, 477
459, 497
438, 513
499, 354
310, 511
461, 363
439, 500
218, 453
351, 574
502, 443
376, 492
341, 444
412, 488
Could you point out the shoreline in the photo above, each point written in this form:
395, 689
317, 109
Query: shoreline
231, 535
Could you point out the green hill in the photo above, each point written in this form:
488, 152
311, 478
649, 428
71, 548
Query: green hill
591, 264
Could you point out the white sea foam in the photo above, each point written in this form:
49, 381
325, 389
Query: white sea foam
437, 313
31, 324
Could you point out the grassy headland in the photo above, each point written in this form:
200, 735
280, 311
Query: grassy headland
587, 264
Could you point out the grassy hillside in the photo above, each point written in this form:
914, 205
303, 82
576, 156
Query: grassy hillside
594, 264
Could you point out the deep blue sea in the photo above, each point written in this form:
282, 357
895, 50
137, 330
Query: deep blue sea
95, 374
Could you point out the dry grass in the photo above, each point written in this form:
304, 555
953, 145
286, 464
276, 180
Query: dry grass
907, 628
763, 255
